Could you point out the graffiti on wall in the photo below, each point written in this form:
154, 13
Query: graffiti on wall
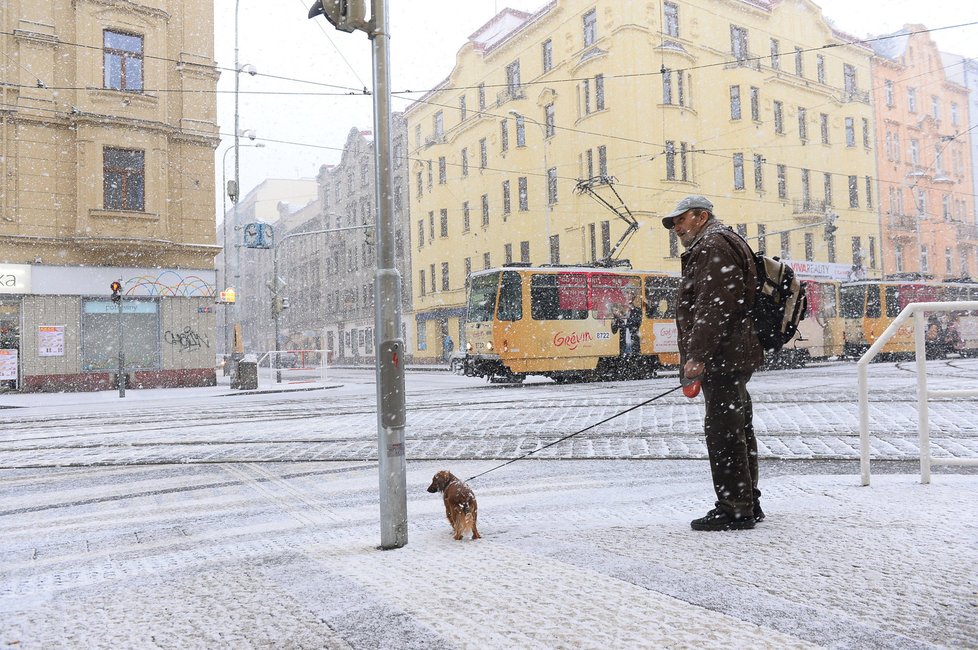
188, 339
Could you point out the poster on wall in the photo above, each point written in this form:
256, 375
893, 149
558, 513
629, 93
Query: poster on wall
8, 365
51, 340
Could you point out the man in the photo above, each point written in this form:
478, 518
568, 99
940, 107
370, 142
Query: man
718, 346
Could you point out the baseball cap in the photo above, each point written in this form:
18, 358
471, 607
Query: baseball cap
689, 203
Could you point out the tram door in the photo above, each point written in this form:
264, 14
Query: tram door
9, 344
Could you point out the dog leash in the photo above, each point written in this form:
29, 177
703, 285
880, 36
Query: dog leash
648, 401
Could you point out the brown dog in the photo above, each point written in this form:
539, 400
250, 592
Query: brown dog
460, 505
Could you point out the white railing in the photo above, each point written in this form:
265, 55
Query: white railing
294, 366
917, 310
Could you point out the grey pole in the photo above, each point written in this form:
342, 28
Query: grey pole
122, 356
237, 179
387, 306
276, 311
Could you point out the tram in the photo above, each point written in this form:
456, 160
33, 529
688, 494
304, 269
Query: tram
868, 308
821, 333
569, 323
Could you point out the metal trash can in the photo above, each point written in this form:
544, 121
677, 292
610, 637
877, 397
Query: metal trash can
245, 375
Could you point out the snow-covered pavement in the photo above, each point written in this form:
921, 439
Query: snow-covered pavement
580, 549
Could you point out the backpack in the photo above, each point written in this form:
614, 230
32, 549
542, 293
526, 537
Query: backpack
780, 303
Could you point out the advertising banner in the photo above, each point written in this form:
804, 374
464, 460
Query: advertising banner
51, 340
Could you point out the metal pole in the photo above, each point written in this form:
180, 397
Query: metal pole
387, 306
237, 179
923, 417
122, 356
276, 310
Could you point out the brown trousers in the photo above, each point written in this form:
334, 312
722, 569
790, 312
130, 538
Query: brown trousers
730, 442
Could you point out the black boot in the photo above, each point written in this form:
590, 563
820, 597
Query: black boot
719, 519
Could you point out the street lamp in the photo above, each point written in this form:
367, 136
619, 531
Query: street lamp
546, 166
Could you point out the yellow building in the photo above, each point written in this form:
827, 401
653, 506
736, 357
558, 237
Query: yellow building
107, 136
734, 99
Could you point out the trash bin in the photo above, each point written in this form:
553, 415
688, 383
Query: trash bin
245, 376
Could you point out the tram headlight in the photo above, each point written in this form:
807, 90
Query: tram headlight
489, 346
468, 346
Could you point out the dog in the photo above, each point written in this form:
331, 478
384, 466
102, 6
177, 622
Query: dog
460, 504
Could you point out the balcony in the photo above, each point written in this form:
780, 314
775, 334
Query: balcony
966, 231
434, 139
746, 61
809, 210
511, 93
853, 95
902, 222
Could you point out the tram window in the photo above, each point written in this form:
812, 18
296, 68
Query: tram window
872, 301
482, 297
829, 307
610, 293
660, 297
558, 299
511, 297
893, 305
853, 300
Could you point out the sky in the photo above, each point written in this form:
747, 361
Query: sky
304, 125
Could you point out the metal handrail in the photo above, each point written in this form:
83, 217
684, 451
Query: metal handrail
917, 310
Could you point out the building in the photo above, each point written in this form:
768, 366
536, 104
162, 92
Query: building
347, 196
925, 161
248, 269
107, 136
739, 100
964, 72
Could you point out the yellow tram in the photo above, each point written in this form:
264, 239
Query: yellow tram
868, 308
821, 333
566, 323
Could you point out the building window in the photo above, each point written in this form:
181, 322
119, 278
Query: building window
888, 93
954, 114
935, 108
439, 125
809, 246
782, 182
755, 104
778, 117
462, 110
431, 225
734, 102
507, 253
465, 162
548, 55
444, 222
605, 238
506, 198
549, 120
866, 132
666, 86
524, 194
520, 131
124, 179
482, 96
758, 172
683, 164
827, 188
123, 61
775, 54
525, 252
823, 119
738, 43
806, 193
513, 85
586, 90
853, 192
483, 154
466, 217
444, 276
786, 245
552, 185
504, 135
912, 100
420, 233
423, 286
433, 278
672, 19
599, 92
924, 261
869, 192
761, 238
670, 160
485, 210
738, 171
820, 68
673, 244
555, 249
850, 132
681, 87
799, 63
590, 27
602, 160
872, 252
486, 263
849, 79
442, 170
802, 124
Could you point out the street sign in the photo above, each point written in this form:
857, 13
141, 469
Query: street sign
228, 296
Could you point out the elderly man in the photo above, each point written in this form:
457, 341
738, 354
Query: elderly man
718, 346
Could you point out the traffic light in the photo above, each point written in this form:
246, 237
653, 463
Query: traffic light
368, 235
345, 15
116, 287
830, 226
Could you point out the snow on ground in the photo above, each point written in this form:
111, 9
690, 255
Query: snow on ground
582, 554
